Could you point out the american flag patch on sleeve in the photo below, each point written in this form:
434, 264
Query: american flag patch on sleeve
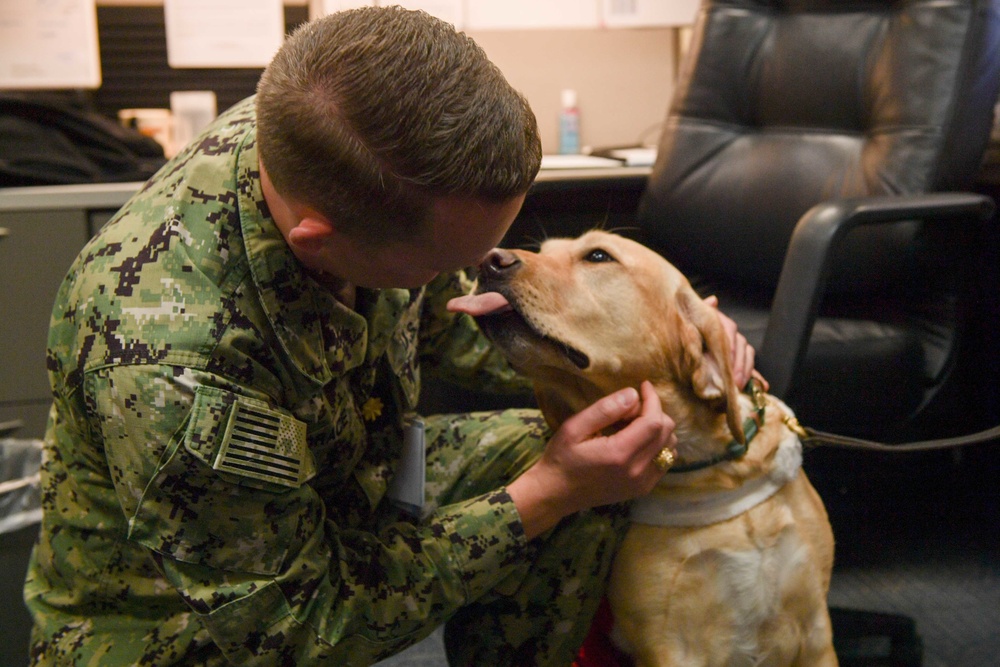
265, 444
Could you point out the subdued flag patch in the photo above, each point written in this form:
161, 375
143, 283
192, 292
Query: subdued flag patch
264, 444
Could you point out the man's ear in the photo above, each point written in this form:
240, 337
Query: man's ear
310, 234
706, 357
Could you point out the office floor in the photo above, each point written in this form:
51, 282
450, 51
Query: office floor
917, 535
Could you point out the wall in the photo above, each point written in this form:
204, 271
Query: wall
624, 78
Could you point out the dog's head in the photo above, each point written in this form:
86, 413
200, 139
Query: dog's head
587, 316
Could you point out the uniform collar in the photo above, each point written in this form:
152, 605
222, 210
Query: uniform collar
383, 310
319, 334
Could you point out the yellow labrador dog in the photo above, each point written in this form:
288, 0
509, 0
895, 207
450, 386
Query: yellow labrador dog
728, 560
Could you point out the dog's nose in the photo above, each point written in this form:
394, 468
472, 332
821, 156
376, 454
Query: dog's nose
499, 264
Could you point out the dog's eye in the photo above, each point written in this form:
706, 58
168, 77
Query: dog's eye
598, 255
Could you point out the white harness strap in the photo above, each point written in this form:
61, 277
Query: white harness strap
716, 506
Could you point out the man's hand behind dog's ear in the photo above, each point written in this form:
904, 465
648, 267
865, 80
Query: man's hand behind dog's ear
742, 354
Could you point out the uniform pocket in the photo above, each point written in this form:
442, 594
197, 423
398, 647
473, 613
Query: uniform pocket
216, 500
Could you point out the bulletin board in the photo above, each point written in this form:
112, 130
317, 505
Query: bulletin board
49, 44
223, 33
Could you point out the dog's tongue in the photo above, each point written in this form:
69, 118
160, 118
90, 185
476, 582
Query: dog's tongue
479, 304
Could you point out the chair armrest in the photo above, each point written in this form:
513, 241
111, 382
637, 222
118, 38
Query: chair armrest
806, 266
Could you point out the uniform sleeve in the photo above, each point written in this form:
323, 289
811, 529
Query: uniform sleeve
454, 347
215, 486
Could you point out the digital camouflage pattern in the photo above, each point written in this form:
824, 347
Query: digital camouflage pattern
222, 435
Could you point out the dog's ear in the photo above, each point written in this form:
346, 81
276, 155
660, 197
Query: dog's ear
705, 357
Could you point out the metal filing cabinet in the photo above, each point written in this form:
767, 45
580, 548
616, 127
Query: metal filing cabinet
44, 229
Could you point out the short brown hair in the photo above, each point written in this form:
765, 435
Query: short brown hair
368, 114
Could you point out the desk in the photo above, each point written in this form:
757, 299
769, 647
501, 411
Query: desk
114, 195
605, 174
62, 197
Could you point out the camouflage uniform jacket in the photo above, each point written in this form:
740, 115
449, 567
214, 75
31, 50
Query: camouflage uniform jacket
223, 429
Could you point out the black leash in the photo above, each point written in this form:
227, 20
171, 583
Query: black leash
813, 438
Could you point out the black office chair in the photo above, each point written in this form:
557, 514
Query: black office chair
809, 173
798, 129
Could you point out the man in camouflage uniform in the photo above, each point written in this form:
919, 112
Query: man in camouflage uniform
233, 359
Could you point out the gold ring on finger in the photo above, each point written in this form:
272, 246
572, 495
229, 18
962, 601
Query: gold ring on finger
665, 459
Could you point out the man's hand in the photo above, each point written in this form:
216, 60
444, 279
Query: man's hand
741, 352
581, 468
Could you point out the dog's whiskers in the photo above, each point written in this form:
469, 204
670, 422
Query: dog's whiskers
624, 228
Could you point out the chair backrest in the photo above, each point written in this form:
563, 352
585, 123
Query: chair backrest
782, 104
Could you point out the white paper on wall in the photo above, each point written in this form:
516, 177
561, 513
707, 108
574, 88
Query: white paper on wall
452, 11
528, 14
648, 13
49, 44
319, 8
223, 33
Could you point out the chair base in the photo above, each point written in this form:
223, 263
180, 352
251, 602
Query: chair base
873, 639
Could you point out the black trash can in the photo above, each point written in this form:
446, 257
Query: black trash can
20, 515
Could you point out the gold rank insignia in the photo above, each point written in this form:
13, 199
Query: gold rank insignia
372, 409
